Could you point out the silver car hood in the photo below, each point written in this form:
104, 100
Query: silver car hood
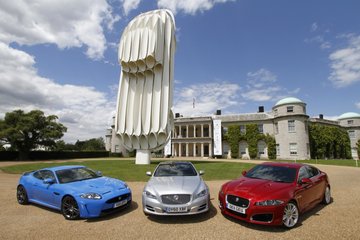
175, 185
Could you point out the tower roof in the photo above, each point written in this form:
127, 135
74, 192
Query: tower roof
349, 115
288, 100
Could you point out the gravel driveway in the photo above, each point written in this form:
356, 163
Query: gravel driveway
339, 220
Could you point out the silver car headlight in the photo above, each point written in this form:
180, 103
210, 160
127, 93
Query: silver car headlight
269, 203
94, 196
201, 194
149, 195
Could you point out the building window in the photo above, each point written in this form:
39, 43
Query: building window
117, 148
290, 109
224, 130
350, 122
351, 133
261, 147
275, 112
206, 132
242, 148
278, 149
242, 129
276, 128
291, 125
293, 149
261, 128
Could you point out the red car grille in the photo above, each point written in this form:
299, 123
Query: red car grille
237, 201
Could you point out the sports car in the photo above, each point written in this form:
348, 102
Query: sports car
175, 188
77, 191
275, 193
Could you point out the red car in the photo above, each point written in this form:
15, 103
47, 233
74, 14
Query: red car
275, 193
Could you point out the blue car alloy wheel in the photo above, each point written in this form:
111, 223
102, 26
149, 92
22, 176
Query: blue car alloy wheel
70, 208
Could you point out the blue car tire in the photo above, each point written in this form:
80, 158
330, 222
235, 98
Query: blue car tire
69, 208
21, 195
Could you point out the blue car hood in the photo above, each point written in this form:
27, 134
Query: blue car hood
101, 185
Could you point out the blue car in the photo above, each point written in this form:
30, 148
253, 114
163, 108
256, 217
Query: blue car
77, 191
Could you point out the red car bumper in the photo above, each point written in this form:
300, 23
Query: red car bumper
265, 215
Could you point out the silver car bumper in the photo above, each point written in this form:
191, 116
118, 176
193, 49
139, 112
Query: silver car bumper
155, 207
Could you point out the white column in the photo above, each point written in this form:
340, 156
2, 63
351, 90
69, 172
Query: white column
172, 149
194, 149
210, 150
194, 130
187, 149
202, 130
179, 149
202, 149
210, 131
187, 131
180, 131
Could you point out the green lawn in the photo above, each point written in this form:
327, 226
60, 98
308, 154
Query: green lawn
127, 170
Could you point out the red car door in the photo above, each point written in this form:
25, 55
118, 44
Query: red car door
305, 191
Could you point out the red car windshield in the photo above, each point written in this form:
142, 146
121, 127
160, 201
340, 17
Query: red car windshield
273, 173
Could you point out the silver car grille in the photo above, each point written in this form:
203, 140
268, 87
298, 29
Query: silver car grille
175, 199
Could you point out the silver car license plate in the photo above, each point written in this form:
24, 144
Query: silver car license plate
176, 209
236, 208
121, 203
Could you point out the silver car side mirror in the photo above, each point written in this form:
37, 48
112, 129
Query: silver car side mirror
148, 173
201, 172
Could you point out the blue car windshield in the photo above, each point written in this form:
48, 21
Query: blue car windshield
75, 174
175, 169
272, 173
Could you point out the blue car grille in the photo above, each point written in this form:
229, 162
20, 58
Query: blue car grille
238, 201
118, 198
175, 199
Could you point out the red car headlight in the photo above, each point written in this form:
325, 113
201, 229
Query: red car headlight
269, 203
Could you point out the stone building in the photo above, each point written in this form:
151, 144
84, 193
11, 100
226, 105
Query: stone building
287, 121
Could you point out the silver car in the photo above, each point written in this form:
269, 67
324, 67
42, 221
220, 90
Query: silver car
175, 188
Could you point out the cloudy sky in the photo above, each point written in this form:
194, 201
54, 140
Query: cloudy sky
233, 55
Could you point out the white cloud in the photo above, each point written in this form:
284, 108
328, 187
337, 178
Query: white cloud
189, 6
262, 86
129, 5
357, 105
205, 99
345, 64
320, 40
66, 23
314, 27
85, 111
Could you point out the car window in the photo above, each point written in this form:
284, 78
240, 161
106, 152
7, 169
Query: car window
273, 173
303, 173
38, 175
312, 171
175, 169
75, 174
47, 174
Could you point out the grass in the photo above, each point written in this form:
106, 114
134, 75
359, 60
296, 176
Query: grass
127, 170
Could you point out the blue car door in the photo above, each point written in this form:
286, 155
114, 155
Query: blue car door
45, 191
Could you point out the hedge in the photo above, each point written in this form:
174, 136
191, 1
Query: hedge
50, 155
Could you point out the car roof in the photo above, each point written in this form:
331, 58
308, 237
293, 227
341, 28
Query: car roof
285, 164
63, 167
174, 162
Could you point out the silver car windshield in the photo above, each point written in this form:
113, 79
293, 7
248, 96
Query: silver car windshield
175, 169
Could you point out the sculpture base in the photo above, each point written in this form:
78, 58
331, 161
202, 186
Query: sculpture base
142, 156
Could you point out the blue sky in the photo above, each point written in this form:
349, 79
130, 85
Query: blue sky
61, 57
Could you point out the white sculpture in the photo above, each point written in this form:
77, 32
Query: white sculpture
144, 119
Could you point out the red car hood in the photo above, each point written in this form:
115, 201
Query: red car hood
259, 189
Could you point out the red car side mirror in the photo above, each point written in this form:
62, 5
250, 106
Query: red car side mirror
243, 173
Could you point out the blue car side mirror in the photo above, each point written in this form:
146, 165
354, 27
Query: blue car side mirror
99, 173
49, 181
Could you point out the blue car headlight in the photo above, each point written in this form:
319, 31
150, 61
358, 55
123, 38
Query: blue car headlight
94, 196
149, 195
269, 203
201, 194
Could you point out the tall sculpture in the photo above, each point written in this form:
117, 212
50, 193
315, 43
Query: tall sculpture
144, 119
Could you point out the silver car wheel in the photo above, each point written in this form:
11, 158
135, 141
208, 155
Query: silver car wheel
327, 196
291, 215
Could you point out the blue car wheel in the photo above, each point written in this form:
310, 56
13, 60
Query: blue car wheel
70, 208
21, 195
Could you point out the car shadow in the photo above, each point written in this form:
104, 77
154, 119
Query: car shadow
116, 214
185, 219
265, 228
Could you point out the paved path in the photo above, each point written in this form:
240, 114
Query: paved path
339, 220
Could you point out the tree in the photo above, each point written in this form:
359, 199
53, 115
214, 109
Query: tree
27, 131
93, 144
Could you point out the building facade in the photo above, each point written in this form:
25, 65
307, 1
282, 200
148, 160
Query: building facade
287, 122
